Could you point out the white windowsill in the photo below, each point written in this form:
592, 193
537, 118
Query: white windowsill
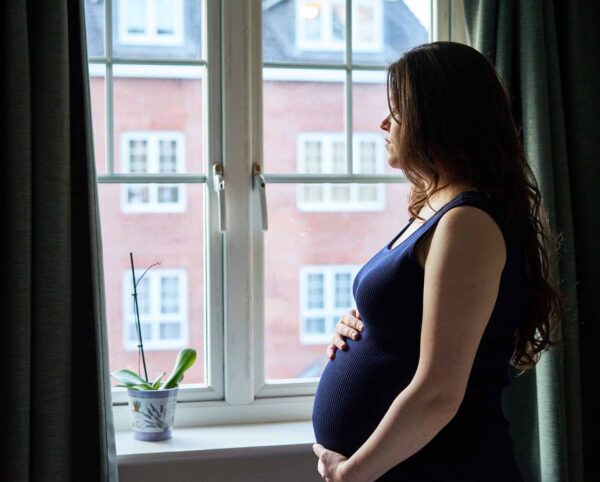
217, 441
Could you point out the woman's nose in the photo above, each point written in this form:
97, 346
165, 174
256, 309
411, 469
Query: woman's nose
385, 124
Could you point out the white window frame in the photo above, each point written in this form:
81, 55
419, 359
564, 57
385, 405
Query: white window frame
326, 42
235, 389
156, 317
327, 139
153, 205
151, 37
329, 311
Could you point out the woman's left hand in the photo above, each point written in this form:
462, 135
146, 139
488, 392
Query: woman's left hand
331, 464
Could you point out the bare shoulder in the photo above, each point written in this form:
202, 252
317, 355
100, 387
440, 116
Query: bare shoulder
471, 232
465, 228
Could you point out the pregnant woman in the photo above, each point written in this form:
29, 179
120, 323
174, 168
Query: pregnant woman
463, 291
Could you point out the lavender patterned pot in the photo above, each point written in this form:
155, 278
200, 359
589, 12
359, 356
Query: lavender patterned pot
152, 413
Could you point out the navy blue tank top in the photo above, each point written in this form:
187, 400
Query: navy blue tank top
357, 388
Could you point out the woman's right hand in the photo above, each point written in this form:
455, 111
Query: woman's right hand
349, 325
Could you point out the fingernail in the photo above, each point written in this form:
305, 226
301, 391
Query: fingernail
360, 327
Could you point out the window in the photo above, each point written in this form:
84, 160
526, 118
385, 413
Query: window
162, 304
326, 152
151, 22
153, 152
321, 25
326, 295
177, 133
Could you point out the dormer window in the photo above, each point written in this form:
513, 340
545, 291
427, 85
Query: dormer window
321, 25
151, 22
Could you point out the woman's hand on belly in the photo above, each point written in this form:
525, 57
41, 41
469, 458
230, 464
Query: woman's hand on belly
348, 326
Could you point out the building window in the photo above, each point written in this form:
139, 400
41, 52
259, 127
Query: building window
326, 294
153, 152
162, 303
151, 22
325, 153
321, 25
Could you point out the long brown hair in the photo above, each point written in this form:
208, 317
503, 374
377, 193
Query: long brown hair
455, 120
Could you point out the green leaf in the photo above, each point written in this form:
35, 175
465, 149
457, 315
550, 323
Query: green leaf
129, 378
185, 359
156, 382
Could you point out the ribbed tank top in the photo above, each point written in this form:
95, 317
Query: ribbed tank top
357, 388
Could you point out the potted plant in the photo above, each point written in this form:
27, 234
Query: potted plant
153, 404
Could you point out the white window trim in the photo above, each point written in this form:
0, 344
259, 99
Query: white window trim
153, 138
329, 310
326, 42
327, 139
150, 37
156, 317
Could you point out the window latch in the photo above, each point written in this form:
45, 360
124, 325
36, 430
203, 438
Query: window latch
219, 187
258, 182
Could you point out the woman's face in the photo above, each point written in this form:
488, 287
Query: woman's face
392, 139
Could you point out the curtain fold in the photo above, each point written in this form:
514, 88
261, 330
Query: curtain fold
56, 395
537, 48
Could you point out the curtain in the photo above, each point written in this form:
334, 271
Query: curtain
55, 398
547, 54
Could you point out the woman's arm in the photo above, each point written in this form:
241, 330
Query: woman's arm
461, 283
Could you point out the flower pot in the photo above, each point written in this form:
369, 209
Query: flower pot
152, 413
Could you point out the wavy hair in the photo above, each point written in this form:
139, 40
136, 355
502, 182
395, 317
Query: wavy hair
455, 120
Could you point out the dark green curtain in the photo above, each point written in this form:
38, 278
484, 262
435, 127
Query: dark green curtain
547, 55
55, 398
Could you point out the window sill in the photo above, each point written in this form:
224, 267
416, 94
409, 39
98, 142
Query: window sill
217, 441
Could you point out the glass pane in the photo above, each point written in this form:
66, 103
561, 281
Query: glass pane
383, 30
323, 244
304, 31
97, 75
315, 326
94, 27
170, 295
370, 108
170, 331
158, 120
157, 29
303, 117
146, 331
343, 293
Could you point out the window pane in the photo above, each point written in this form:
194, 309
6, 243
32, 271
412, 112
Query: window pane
165, 18
160, 107
168, 194
167, 155
382, 31
323, 244
137, 156
170, 331
146, 331
339, 157
315, 291
304, 31
157, 29
301, 108
340, 193
136, 16
338, 21
311, 18
170, 295
97, 76
343, 294
138, 194
313, 193
370, 101
315, 325
94, 27
368, 193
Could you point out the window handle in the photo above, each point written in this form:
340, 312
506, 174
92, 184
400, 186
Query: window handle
258, 182
219, 187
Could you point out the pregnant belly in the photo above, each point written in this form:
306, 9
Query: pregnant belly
355, 391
